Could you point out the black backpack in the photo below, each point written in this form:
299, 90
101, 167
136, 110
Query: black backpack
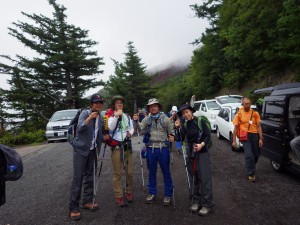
12, 163
73, 126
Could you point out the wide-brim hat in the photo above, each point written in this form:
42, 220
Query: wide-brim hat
153, 101
184, 107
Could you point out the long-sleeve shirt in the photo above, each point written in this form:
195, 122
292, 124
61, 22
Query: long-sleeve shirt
118, 134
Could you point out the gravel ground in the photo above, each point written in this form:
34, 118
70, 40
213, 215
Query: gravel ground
41, 195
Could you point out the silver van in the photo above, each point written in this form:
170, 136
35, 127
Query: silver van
57, 127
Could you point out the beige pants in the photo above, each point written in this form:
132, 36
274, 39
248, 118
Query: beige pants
117, 163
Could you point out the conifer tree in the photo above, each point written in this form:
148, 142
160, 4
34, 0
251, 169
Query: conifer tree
130, 80
62, 70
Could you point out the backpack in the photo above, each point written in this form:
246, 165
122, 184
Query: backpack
13, 163
204, 118
146, 137
73, 126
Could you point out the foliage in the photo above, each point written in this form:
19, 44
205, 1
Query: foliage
22, 138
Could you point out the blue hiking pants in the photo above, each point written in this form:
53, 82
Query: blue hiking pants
162, 156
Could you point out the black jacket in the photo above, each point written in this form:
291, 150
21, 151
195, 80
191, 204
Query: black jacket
192, 134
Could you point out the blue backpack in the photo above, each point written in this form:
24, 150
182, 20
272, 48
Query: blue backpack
12, 163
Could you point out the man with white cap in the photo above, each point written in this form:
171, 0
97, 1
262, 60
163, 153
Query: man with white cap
173, 117
158, 133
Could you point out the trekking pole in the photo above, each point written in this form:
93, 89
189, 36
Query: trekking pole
124, 164
172, 163
193, 185
139, 142
185, 164
100, 169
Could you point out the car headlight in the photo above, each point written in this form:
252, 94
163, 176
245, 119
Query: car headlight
49, 128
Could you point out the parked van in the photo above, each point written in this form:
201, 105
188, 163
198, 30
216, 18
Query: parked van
279, 117
57, 127
209, 108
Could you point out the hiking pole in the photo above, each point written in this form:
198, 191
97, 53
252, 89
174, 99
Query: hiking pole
100, 169
172, 163
185, 164
194, 173
123, 162
139, 142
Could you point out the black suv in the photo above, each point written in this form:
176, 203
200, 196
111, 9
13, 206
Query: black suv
279, 118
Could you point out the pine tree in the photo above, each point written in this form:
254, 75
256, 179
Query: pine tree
130, 80
63, 69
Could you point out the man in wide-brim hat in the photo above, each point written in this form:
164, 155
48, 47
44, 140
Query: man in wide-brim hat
158, 133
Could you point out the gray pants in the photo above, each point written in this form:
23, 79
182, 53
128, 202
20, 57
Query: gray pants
295, 146
202, 179
83, 167
251, 152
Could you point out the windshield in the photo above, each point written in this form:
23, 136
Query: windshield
213, 106
229, 99
63, 115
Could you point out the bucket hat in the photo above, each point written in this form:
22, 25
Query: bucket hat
183, 107
153, 101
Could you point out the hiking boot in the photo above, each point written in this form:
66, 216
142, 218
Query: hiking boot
251, 178
129, 197
167, 201
90, 206
150, 199
204, 211
120, 202
75, 215
194, 207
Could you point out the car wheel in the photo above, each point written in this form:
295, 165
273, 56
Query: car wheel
218, 134
276, 166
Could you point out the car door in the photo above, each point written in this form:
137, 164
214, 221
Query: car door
274, 127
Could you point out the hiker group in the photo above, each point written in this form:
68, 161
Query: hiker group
158, 131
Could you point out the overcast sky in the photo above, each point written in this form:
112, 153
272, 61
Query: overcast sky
161, 30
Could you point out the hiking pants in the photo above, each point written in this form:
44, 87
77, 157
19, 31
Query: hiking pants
162, 156
83, 167
201, 191
295, 146
117, 162
251, 152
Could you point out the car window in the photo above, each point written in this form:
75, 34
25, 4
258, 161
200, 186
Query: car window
203, 107
196, 105
221, 113
294, 107
213, 106
229, 99
226, 114
63, 115
274, 110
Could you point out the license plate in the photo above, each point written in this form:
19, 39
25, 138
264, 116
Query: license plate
60, 134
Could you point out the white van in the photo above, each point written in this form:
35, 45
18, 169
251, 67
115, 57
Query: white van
209, 108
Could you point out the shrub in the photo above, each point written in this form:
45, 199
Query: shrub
23, 138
